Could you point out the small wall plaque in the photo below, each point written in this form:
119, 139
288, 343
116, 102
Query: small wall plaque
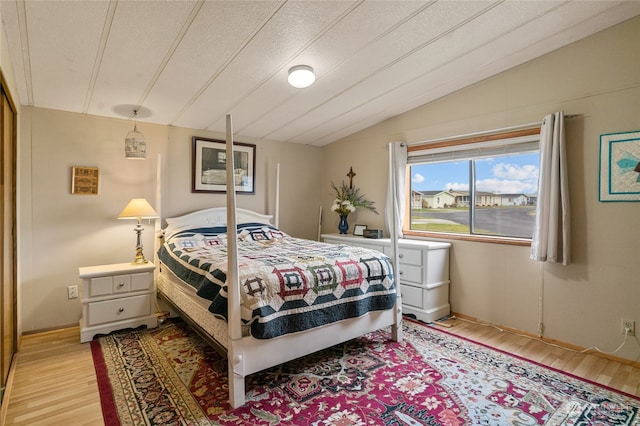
84, 180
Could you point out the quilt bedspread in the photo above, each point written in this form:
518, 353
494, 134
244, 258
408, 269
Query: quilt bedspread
287, 284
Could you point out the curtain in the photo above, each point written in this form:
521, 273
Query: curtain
550, 241
396, 193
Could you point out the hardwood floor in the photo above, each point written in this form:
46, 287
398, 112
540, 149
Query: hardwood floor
54, 381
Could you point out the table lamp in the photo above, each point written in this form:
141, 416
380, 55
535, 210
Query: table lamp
138, 208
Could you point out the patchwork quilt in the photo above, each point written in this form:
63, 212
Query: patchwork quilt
287, 284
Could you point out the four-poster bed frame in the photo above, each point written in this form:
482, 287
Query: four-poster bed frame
245, 354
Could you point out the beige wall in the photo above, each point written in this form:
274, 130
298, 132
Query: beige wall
8, 75
583, 303
598, 77
61, 232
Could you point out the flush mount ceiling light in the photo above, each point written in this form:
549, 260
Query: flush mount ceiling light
301, 76
135, 145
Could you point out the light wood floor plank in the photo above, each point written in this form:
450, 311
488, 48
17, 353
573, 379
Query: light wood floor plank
54, 381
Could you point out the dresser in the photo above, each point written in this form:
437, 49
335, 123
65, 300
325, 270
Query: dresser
423, 270
115, 297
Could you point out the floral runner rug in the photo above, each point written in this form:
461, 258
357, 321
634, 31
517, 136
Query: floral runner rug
169, 376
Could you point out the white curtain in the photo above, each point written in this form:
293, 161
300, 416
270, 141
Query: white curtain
396, 193
551, 230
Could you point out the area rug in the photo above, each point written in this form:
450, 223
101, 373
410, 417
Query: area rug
169, 376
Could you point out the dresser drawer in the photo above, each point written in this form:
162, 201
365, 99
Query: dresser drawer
118, 309
117, 284
100, 286
411, 296
367, 246
408, 256
410, 273
142, 281
121, 284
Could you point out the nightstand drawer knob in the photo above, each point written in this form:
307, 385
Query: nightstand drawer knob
121, 284
400, 255
121, 310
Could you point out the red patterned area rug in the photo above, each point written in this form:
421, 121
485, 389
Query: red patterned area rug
168, 375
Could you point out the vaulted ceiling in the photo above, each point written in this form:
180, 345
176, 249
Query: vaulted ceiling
189, 63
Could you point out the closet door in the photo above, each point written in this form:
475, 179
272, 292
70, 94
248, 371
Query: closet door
8, 268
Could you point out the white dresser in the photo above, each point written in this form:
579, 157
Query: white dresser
115, 297
423, 271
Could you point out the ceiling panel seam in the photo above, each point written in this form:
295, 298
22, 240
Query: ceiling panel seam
24, 44
471, 49
567, 29
369, 101
341, 63
384, 68
172, 50
292, 57
97, 64
224, 66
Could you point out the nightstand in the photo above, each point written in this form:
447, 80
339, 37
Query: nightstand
115, 297
423, 272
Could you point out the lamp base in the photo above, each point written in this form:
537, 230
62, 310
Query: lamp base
139, 259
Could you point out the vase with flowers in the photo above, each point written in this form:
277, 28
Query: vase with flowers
347, 200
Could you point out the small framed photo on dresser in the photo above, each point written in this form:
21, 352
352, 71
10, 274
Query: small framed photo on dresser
358, 230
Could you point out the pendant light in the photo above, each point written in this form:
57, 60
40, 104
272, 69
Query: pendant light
135, 145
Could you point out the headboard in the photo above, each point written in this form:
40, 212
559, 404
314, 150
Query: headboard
216, 216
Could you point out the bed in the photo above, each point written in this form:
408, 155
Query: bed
264, 297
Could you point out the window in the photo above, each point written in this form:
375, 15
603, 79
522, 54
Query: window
479, 188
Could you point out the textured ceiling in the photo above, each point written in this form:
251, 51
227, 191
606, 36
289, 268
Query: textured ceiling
188, 63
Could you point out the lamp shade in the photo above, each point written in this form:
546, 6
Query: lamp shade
301, 76
138, 208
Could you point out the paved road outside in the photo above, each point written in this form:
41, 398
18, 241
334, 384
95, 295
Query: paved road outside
506, 221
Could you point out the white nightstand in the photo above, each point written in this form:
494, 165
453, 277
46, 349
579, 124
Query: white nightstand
115, 297
423, 272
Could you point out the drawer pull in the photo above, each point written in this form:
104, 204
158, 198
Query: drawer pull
401, 255
401, 272
121, 310
121, 284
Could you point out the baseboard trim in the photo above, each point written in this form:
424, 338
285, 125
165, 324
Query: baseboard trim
47, 330
4, 406
560, 343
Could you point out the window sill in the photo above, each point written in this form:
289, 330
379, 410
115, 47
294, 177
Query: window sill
476, 238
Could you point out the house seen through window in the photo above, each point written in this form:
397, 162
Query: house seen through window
483, 189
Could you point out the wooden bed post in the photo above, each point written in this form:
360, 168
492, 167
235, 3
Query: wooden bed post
235, 355
277, 209
157, 230
396, 328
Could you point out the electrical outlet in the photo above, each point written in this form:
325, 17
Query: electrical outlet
629, 325
72, 292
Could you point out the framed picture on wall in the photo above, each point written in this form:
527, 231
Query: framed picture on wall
210, 163
84, 180
620, 166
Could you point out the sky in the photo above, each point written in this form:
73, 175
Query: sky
517, 174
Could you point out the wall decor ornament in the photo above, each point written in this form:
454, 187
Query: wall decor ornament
210, 163
84, 180
620, 166
347, 200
